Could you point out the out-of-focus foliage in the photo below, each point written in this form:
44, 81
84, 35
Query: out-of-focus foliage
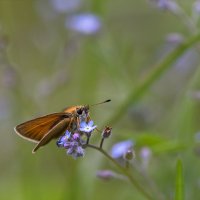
57, 53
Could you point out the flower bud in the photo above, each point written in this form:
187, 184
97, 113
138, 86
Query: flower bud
106, 132
129, 155
106, 174
119, 149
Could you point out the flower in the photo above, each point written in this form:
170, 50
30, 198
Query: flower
106, 174
196, 7
64, 6
165, 5
73, 143
87, 127
85, 23
118, 150
74, 149
145, 155
63, 139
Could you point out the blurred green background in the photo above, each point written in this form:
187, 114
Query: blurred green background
45, 66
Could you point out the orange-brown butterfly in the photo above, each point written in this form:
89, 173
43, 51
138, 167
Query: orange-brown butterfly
43, 129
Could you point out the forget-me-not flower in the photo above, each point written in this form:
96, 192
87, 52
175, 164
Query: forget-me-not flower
85, 23
63, 139
87, 127
73, 143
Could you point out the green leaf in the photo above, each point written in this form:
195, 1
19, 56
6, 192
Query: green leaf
148, 139
179, 193
169, 147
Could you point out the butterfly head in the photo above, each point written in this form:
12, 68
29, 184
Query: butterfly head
82, 111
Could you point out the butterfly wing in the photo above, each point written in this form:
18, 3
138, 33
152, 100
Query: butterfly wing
34, 130
57, 130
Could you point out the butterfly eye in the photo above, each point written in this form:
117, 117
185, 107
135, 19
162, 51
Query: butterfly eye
79, 111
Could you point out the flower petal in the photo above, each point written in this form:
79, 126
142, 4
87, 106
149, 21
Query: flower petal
85, 23
68, 134
90, 123
83, 124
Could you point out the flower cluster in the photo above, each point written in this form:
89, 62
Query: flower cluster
73, 142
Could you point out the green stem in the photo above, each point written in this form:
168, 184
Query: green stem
123, 170
101, 144
151, 77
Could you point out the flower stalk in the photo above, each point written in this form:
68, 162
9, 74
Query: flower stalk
76, 141
123, 171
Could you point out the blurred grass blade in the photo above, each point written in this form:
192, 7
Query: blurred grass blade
179, 193
152, 76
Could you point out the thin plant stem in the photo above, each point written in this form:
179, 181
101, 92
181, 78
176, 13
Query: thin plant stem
124, 171
101, 144
148, 180
88, 139
127, 164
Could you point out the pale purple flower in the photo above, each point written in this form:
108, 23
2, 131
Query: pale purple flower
174, 38
85, 23
145, 155
106, 174
119, 149
75, 150
76, 136
197, 137
64, 6
109, 174
196, 7
165, 5
73, 143
87, 127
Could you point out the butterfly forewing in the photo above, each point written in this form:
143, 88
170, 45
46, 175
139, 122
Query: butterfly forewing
34, 130
56, 131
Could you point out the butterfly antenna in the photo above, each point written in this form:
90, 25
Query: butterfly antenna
108, 100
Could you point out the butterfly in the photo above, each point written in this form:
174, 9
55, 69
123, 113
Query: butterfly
43, 129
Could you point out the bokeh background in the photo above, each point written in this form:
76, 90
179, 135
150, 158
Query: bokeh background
57, 53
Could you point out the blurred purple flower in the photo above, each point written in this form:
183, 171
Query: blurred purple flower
86, 23
106, 174
174, 38
145, 155
196, 7
119, 149
165, 5
87, 127
64, 6
197, 137
195, 95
